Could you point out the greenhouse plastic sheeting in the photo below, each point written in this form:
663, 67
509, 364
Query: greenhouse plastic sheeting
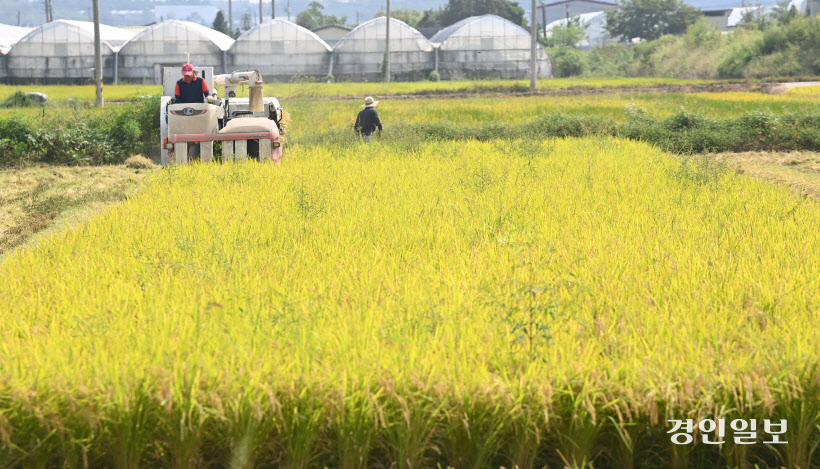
172, 43
361, 52
280, 48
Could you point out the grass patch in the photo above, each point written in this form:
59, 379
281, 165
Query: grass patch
797, 170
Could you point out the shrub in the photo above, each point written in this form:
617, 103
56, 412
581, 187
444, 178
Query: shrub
567, 62
685, 120
97, 136
434, 76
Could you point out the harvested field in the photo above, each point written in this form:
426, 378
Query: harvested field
37, 198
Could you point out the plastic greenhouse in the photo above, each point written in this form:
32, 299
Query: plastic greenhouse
62, 51
280, 48
173, 43
594, 24
486, 46
9, 35
360, 53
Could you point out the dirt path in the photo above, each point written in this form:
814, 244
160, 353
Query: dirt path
781, 88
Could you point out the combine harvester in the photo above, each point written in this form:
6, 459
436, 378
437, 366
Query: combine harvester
247, 127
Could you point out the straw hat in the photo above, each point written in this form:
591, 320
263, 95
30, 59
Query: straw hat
368, 102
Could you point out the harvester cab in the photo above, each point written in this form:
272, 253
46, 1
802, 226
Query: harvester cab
245, 127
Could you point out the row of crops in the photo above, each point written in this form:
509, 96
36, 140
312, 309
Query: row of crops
68, 133
515, 302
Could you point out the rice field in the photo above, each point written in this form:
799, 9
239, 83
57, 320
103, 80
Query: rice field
805, 91
308, 87
461, 304
466, 304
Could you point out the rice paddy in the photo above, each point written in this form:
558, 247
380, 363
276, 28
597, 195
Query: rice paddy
506, 303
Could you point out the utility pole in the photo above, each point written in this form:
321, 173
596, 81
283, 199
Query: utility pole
97, 54
48, 11
260, 12
387, 46
18, 18
230, 17
273, 9
533, 48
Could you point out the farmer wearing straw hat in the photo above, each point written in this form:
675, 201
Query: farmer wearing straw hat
368, 119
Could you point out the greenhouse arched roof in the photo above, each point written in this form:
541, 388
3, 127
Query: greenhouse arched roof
9, 35
479, 26
280, 48
62, 31
278, 30
401, 34
175, 30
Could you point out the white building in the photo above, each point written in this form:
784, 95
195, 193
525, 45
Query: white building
332, 33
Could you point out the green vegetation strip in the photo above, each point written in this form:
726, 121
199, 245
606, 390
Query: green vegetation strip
472, 304
718, 123
684, 132
81, 136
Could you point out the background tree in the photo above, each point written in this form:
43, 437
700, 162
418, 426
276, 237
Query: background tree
430, 19
568, 35
313, 17
408, 15
649, 19
457, 10
220, 24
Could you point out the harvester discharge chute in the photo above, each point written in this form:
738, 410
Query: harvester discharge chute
246, 127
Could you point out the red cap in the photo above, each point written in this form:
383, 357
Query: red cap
187, 69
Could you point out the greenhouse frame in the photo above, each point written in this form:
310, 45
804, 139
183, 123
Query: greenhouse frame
62, 51
171, 44
360, 54
486, 46
280, 48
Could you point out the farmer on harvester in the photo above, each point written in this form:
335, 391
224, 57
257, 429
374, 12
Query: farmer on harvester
368, 119
190, 88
